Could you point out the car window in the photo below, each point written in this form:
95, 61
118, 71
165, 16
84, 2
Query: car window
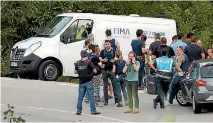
207, 71
194, 72
78, 30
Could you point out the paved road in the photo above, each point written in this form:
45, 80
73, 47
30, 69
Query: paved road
39, 101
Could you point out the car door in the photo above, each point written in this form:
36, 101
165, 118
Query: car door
190, 82
70, 46
186, 88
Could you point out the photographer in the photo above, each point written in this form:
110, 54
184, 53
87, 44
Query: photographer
132, 69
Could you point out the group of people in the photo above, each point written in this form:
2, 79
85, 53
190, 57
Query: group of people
99, 65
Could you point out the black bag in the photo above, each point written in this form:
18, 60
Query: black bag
151, 84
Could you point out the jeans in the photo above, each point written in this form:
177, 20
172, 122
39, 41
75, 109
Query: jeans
162, 89
132, 91
140, 73
174, 87
83, 88
122, 83
116, 87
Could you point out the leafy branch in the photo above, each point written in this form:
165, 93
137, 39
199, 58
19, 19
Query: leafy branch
9, 116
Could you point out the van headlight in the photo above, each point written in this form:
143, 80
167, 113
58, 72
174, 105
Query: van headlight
32, 48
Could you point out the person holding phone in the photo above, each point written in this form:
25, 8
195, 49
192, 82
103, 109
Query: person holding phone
131, 69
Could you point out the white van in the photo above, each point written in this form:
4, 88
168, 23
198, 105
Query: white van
52, 52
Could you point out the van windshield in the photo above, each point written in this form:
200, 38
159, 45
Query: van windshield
54, 26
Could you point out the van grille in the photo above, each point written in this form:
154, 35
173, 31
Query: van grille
17, 54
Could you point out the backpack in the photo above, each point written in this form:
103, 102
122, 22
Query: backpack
111, 52
113, 45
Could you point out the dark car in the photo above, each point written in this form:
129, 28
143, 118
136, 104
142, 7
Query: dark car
197, 85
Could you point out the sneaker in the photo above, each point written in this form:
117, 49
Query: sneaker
78, 113
119, 105
169, 103
95, 113
154, 104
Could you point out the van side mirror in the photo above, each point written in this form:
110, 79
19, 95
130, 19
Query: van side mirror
65, 39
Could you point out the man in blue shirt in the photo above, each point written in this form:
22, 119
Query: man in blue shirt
163, 70
179, 43
138, 46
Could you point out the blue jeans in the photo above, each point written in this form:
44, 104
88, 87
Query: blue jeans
122, 83
83, 88
174, 87
140, 73
162, 89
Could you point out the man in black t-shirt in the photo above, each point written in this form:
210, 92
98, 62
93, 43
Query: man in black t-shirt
85, 69
153, 46
107, 56
193, 51
158, 51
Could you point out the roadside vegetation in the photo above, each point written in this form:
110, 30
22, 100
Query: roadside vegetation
23, 19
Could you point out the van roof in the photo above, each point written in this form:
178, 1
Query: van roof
121, 18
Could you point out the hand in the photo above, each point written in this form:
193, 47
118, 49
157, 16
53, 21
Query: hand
105, 60
133, 60
128, 61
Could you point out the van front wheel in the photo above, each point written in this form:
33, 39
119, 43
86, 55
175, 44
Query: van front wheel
48, 71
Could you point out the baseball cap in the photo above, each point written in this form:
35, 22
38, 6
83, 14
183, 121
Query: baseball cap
84, 53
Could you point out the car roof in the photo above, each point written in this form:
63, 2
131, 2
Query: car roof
203, 62
121, 18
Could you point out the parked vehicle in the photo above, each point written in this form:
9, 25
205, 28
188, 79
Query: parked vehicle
197, 85
52, 52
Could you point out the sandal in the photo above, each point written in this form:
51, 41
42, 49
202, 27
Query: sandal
135, 111
129, 111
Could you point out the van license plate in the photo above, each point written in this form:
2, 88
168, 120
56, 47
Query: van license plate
14, 64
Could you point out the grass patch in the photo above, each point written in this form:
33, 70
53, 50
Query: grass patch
68, 79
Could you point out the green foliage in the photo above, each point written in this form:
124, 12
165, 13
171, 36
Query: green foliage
9, 116
23, 19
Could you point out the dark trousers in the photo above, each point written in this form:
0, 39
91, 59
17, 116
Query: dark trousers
116, 87
132, 91
122, 83
140, 73
162, 89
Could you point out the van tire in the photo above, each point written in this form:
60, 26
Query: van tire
49, 70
